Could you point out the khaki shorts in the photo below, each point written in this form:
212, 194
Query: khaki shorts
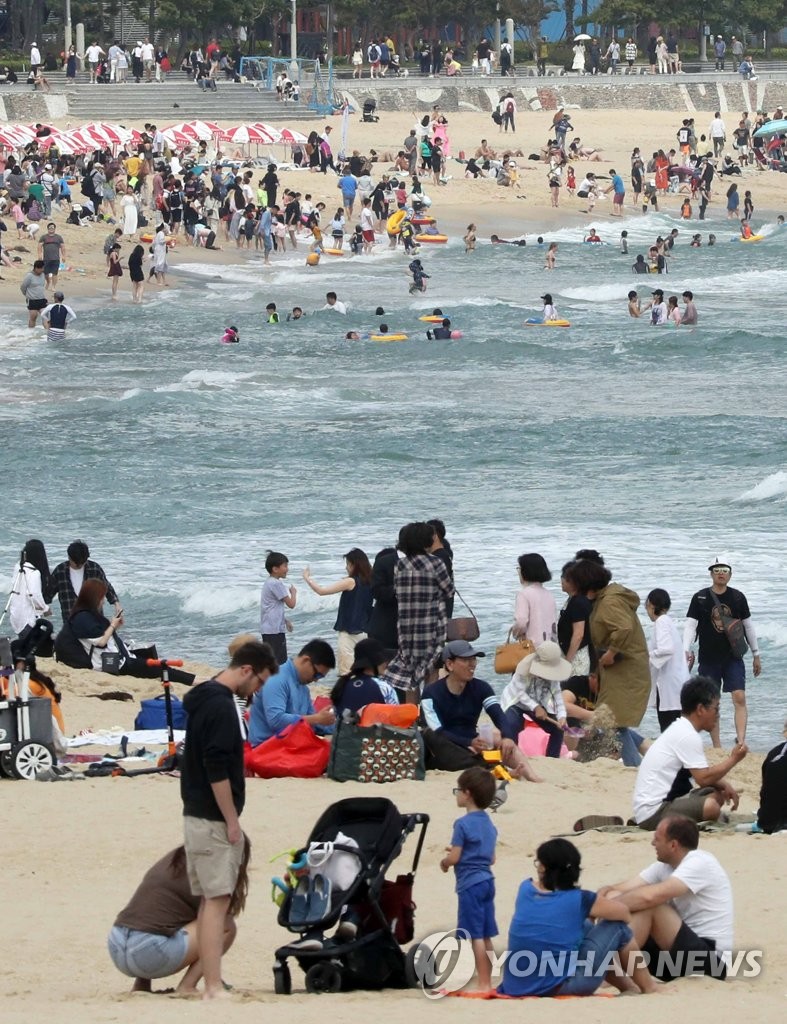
213, 862
692, 806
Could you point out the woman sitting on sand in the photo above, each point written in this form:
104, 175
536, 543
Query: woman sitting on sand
155, 935
553, 919
362, 685
88, 635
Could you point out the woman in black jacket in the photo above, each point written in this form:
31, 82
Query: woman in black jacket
89, 634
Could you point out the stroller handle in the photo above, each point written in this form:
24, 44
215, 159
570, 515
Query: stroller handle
164, 662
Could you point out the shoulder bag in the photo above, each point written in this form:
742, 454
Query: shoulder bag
463, 627
733, 629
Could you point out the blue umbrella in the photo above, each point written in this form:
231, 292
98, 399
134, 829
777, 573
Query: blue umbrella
772, 128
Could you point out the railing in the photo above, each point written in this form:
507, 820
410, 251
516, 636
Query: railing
265, 70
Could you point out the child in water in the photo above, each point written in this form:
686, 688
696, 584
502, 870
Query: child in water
624, 242
419, 277
469, 238
634, 307
231, 336
549, 311
685, 210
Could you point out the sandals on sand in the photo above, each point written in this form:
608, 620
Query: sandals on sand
596, 821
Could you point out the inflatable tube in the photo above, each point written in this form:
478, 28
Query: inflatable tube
588, 242
170, 240
418, 221
388, 337
434, 319
455, 335
394, 223
533, 322
753, 238
334, 252
435, 239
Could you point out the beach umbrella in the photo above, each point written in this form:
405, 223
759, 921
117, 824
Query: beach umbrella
772, 128
175, 137
205, 129
72, 142
290, 135
245, 133
274, 133
10, 139
185, 128
105, 133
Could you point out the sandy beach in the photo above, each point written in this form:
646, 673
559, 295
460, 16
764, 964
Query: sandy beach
524, 208
73, 853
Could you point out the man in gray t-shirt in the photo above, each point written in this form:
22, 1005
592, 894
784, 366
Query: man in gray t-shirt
52, 249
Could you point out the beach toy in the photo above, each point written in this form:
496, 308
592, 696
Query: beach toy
394, 223
751, 238
170, 239
312, 259
535, 322
433, 319
388, 337
434, 239
418, 221
533, 741
334, 252
455, 335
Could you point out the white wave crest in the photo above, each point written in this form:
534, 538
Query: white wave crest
773, 486
213, 602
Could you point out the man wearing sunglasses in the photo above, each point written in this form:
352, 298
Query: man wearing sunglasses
286, 699
708, 611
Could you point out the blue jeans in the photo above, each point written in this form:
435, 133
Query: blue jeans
630, 741
600, 940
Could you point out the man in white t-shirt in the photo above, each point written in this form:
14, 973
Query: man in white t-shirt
681, 906
148, 59
93, 54
664, 777
35, 57
113, 55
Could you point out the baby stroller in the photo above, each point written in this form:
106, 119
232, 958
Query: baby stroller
354, 843
369, 108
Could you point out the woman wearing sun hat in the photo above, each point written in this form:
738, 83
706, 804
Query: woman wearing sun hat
534, 693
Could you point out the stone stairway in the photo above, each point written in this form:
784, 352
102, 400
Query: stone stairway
176, 100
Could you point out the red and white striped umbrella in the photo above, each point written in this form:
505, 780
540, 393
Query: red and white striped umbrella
73, 142
291, 136
205, 129
274, 133
245, 133
105, 133
175, 137
10, 138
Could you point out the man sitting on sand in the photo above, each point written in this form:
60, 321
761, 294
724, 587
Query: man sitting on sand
286, 699
663, 785
681, 906
451, 708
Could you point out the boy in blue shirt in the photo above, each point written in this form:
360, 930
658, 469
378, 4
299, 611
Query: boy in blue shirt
471, 855
274, 598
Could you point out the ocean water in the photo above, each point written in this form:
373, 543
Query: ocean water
181, 461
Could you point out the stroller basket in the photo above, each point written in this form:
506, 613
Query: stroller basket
375, 915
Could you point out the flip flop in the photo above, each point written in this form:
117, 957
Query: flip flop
319, 898
299, 903
596, 821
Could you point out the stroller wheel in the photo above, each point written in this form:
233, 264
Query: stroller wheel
323, 977
415, 961
282, 980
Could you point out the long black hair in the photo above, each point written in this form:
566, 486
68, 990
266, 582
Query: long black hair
561, 862
34, 552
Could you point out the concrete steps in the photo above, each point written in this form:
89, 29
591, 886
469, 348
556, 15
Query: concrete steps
176, 100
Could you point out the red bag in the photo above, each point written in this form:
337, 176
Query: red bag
295, 752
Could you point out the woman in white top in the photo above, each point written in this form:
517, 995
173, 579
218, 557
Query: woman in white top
357, 61
668, 668
579, 59
535, 611
27, 599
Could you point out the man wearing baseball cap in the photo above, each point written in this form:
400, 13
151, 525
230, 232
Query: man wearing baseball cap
451, 708
711, 617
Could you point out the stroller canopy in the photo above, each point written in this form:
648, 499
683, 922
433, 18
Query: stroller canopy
373, 822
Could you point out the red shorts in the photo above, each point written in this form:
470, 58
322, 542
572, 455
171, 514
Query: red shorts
617, 199
368, 236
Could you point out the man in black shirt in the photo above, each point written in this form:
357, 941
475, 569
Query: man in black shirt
213, 790
717, 660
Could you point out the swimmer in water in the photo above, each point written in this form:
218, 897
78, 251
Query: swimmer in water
780, 221
711, 239
624, 242
635, 309
231, 336
507, 241
355, 336
551, 254
696, 242
441, 333
593, 237
435, 312
469, 238
549, 312
296, 313
273, 316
